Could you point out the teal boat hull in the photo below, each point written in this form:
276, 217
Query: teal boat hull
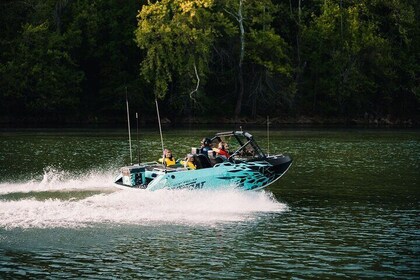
244, 175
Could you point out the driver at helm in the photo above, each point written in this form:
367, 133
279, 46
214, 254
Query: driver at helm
205, 146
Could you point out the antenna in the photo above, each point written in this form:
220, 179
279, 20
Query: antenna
268, 135
161, 137
128, 122
138, 143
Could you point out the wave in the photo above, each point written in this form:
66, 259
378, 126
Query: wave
110, 205
59, 180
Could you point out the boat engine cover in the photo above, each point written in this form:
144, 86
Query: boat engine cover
132, 175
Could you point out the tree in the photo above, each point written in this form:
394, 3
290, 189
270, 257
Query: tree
41, 77
342, 49
177, 37
107, 53
260, 48
398, 22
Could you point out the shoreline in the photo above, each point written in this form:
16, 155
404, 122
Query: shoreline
259, 122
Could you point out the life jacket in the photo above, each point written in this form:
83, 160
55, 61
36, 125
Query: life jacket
221, 152
169, 161
188, 164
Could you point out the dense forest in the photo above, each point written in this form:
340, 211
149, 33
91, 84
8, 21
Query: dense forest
74, 61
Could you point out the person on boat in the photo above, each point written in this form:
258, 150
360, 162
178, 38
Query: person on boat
189, 162
205, 146
222, 149
169, 158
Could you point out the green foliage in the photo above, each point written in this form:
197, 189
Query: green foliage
73, 60
398, 21
340, 44
177, 37
42, 77
265, 65
267, 49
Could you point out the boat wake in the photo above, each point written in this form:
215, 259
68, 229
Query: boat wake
57, 180
62, 200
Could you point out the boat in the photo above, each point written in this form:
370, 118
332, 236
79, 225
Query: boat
247, 168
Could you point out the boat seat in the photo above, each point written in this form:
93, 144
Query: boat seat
220, 159
212, 157
201, 161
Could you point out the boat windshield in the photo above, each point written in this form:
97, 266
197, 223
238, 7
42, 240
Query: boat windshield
242, 146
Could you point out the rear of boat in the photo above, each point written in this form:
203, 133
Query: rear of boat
132, 177
138, 176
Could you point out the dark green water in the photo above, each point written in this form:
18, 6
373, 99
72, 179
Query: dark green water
348, 208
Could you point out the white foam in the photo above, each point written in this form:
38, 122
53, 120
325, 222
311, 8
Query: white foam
55, 180
131, 206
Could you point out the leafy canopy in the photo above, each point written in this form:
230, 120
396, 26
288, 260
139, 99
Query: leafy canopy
177, 37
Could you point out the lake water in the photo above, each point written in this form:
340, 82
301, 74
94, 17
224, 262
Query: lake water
347, 208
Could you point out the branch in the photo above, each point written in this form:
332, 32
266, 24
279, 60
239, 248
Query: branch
232, 14
198, 83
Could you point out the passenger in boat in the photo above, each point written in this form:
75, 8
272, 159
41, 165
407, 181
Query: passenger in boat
222, 149
189, 162
169, 158
205, 146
